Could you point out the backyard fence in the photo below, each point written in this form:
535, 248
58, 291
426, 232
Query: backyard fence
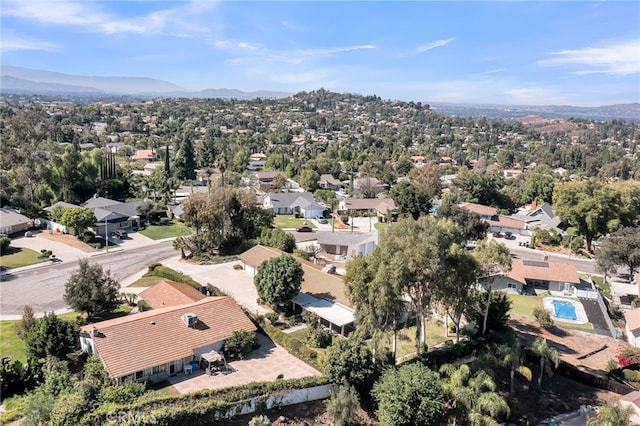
587, 294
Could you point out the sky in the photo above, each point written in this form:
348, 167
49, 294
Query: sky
507, 52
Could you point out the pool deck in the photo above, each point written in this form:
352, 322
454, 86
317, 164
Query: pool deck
581, 314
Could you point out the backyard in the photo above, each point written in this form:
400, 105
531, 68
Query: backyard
166, 229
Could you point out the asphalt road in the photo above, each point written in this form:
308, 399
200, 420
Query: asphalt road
43, 287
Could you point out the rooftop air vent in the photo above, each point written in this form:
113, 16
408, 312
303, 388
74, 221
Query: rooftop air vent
190, 319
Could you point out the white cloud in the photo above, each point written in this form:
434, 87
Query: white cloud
495, 71
11, 43
433, 45
615, 59
88, 17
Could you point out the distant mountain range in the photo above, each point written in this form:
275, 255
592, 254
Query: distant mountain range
29, 81
20, 80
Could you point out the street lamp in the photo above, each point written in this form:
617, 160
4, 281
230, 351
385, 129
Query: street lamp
106, 231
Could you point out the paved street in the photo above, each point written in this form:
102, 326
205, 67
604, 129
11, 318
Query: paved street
42, 287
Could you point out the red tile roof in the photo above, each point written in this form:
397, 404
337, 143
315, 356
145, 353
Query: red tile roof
170, 293
480, 209
135, 342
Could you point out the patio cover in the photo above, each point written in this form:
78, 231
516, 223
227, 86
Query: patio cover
212, 356
329, 310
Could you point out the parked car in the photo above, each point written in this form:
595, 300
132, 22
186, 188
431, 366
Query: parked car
304, 229
497, 235
120, 234
322, 220
509, 236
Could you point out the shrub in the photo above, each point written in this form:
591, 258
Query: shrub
4, 243
143, 306
240, 343
611, 365
343, 404
630, 375
260, 421
628, 356
319, 338
88, 236
237, 267
345, 219
543, 317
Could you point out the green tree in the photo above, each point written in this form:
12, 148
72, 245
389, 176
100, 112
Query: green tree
538, 187
589, 206
612, 415
90, 289
309, 179
350, 360
377, 300
428, 177
412, 200
77, 219
5, 242
471, 396
474, 227
409, 395
342, 405
416, 253
26, 323
51, 336
68, 409
278, 280
548, 357
513, 357
277, 238
494, 260
499, 308
185, 163
621, 248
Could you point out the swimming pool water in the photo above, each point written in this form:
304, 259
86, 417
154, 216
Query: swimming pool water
564, 310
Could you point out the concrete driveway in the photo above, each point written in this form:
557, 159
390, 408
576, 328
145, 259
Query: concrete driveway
236, 283
60, 250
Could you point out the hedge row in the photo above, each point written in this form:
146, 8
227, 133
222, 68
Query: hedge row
198, 408
157, 270
295, 346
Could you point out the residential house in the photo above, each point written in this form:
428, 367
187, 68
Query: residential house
12, 221
53, 225
343, 246
145, 155
417, 160
542, 217
265, 179
383, 207
329, 182
632, 319
112, 215
321, 293
511, 173
290, 202
527, 275
368, 187
152, 345
497, 222
167, 293
86, 146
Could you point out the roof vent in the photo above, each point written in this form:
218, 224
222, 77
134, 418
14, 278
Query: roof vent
152, 322
190, 319
95, 332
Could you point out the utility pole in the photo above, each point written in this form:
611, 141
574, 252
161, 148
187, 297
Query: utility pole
106, 232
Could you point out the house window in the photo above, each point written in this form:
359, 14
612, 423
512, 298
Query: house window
139, 374
156, 370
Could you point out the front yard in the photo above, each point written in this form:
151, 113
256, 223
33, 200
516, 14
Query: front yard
289, 221
169, 229
17, 257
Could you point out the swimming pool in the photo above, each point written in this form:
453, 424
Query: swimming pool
564, 310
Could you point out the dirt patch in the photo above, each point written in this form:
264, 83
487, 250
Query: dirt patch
69, 240
574, 346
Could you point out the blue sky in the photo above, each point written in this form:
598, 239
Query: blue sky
577, 53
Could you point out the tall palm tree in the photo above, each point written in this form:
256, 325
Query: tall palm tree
513, 357
548, 356
612, 415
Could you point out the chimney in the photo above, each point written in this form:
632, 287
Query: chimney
95, 332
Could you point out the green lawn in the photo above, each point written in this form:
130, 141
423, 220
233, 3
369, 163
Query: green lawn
11, 345
406, 339
602, 285
381, 225
524, 305
289, 221
171, 229
146, 282
17, 257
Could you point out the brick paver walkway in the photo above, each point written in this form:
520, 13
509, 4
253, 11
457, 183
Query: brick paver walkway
261, 365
